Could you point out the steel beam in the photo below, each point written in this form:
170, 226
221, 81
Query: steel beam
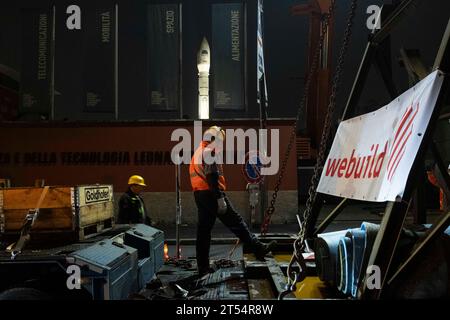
391, 21
392, 223
442, 60
414, 65
333, 214
360, 79
377, 38
418, 206
384, 66
385, 243
445, 116
437, 229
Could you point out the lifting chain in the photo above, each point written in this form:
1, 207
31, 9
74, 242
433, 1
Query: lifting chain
293, 134
327, 124
299, 243
326, 133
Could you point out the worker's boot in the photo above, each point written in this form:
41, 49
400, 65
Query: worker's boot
262, 249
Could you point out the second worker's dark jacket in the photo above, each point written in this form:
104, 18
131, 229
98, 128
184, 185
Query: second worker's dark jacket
132, 209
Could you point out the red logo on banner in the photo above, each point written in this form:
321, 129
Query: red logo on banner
358, 167
402, 135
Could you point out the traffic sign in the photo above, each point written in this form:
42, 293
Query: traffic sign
252, 167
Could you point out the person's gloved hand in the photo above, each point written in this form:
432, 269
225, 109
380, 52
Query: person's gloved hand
221, 206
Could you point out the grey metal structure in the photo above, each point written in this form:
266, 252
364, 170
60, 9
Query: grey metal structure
113, 269
113, 265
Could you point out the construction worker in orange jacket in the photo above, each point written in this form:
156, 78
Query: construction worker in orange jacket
209, 185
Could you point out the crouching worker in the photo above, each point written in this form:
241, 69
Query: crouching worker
131, 205
208, 184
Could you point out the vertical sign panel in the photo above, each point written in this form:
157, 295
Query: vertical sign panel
69, 98
163, 56
260, 52
99, 59
227, 55
36, 61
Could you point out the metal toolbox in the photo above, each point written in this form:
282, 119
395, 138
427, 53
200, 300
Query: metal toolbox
149, 241
111, 263
146, 271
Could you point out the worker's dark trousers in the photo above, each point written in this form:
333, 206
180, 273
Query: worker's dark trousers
207, 212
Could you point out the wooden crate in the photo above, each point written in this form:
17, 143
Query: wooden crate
81, 210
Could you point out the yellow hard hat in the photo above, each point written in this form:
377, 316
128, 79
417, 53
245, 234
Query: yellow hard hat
214, 131
136, 180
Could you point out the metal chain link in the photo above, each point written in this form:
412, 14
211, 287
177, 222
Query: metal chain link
297, 256
312, 70
327, 124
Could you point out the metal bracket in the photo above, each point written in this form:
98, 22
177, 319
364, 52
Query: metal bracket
333, 214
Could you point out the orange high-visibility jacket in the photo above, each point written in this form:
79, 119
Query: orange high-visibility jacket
434, 182
198, 170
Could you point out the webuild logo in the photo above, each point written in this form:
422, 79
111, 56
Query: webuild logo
369, 166
402, 135
358, 167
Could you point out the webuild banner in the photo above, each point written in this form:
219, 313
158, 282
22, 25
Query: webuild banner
372, 154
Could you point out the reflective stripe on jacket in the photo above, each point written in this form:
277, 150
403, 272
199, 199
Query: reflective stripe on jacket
198, 170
